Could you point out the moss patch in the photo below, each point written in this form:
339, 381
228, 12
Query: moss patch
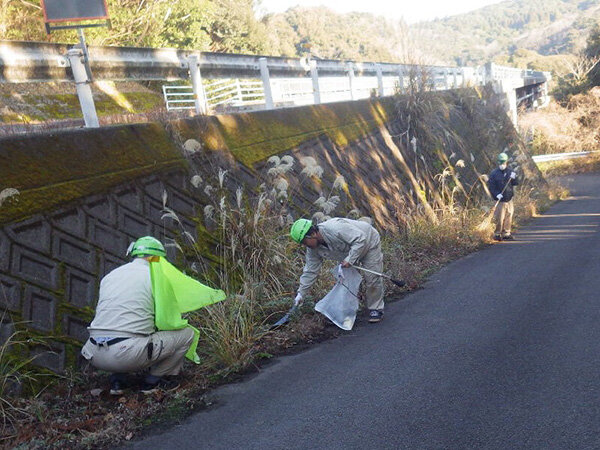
253, 137
36, 108
50, 169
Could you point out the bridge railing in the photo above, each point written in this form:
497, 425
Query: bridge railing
285, 81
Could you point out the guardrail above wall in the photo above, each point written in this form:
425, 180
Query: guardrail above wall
39, 62
42, 62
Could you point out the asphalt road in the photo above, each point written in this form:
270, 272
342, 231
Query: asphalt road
499, 350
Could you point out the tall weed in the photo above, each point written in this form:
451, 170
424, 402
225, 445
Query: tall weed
15, 373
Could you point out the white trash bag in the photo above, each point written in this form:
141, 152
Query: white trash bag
341, 303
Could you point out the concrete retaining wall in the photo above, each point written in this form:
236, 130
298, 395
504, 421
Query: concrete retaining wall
85, 194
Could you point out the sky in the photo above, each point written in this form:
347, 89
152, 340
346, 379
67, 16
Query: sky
409, 10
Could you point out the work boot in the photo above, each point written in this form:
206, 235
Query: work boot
497, 237
118, 382
153, 383
508, 237
375, 315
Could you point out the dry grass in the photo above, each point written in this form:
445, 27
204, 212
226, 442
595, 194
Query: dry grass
568, 128
16, 374
585, 164
258, 267
423, 245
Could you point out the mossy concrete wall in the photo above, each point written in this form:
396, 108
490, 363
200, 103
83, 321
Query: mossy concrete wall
30, 103
85, 194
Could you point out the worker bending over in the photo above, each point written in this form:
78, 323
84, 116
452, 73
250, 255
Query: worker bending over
351, 242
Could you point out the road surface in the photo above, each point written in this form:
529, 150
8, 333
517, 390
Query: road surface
500, 350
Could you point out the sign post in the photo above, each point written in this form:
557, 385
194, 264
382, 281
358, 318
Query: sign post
64, 11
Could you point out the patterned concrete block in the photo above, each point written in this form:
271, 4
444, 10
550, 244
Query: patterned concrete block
4, 252
107, 238
33, 233
76, 328
154, 212
80, 287
108, 263
130, 198
189, 226
180, 203
102, 208
133, 224
74, 251
6, 331
39, 308
34, 267
10, 293
52, 358
179, 180
72, 221
154, 188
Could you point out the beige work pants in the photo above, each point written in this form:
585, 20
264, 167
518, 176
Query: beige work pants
131, 355
503, 217
373, 260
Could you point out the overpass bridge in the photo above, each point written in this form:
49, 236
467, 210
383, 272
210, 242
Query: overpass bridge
255, 82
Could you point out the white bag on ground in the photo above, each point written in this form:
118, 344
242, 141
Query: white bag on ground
341, 303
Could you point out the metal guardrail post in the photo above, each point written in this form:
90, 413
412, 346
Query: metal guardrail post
314, 74
264, 74
379, 80
400, 79
199, 96
350, 69
238, 90
84, 91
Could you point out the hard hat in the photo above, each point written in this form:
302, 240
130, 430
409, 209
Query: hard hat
299, 229
147, 245
502, 157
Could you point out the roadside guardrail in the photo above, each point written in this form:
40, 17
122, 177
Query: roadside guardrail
561, 156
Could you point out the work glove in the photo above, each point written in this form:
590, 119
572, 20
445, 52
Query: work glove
499, 196
513, 175
340, 273
298, 299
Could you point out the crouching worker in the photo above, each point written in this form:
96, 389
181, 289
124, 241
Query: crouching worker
351, 242
138, 323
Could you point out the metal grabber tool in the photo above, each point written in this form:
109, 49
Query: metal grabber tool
399, 283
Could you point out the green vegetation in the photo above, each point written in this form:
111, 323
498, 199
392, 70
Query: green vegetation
527, 33
254, 137
207, 25
113, 155
413, 165
39, 108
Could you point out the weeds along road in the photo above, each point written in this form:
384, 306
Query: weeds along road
499, 350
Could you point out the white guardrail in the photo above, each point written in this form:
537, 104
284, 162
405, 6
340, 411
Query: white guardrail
561, 156
272, 81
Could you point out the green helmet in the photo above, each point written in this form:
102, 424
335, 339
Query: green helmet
147, 245
502, 157
299, 229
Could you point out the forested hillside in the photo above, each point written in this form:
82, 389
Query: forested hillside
539, 34
519, 31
